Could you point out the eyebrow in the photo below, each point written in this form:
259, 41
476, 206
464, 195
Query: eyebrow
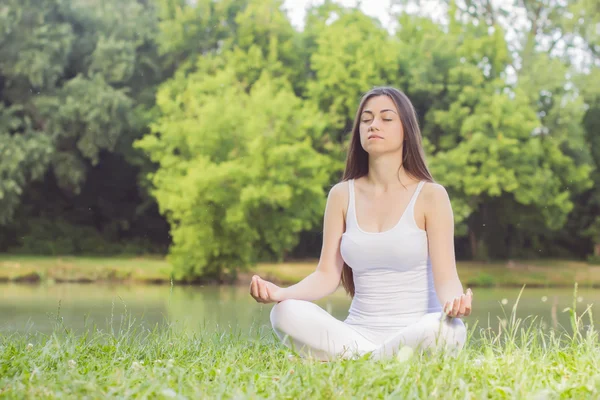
382, 111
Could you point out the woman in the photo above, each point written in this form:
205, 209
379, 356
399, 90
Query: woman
388, 235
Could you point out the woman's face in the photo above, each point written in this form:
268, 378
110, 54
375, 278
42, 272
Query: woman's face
380, 126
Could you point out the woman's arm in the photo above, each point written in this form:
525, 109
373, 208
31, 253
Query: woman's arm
439, 224
327, 275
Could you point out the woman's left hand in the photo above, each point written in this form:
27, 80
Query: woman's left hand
460, 306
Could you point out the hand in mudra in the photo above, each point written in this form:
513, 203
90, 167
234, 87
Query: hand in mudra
264, 291
460, 306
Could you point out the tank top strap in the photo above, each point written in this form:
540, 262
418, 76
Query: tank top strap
351, 192
413, 200
419, 187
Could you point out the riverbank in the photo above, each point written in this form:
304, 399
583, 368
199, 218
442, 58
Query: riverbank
156, 270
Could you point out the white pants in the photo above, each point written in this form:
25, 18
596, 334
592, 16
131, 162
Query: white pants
313, 332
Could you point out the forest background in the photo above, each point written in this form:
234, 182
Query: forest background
212, 131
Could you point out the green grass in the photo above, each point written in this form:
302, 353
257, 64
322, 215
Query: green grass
84, 269
517, 361
536, 273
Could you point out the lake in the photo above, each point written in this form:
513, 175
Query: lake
34, 308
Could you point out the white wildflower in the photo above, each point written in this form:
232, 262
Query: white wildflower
168, 392
29, 346
136, 366
544, 299
478, 362
504, 301
72, 363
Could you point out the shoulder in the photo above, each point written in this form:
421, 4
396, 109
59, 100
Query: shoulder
435, 196
337, 199
339, 192
434, 191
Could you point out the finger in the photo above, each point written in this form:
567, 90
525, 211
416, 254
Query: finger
447, 308
468, 301
263, 290
463, 304
455, 306
255, 288
470, 293
252, 286
268, 292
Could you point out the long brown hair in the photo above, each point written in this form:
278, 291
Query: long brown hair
413, 156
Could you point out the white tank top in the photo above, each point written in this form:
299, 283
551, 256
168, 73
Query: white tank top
392, 271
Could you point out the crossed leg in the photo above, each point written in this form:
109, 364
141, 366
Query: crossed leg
313, 332
433, 331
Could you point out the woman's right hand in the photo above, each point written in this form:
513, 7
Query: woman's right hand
264, 291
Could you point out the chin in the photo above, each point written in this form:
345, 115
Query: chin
377, 150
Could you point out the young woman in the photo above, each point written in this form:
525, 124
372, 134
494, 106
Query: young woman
388, 235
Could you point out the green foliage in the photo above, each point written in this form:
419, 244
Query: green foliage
74, 78
594, 259
238, 176
483, 279
352, 54
266, 40
106, 119
545, 72
24, 158
188, 30
59, 237
501, 151
246, 121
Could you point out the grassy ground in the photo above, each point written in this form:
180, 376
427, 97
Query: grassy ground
519, 362
21, 268
546, 273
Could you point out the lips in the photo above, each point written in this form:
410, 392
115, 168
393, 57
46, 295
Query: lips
375, 137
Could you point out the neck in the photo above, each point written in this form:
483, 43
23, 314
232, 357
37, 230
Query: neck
386, 171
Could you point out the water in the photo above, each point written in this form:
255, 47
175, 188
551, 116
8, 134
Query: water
36, 308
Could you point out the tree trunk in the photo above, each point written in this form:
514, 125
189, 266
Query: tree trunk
597, 249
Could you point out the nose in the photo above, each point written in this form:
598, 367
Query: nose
374, 124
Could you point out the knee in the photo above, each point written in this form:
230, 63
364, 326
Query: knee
284, 314
453, 333
449, 333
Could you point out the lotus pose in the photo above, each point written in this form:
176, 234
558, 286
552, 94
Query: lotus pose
388, 236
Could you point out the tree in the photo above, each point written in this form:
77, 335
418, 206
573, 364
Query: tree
489, 145
238, 176
352, 53
74, 77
